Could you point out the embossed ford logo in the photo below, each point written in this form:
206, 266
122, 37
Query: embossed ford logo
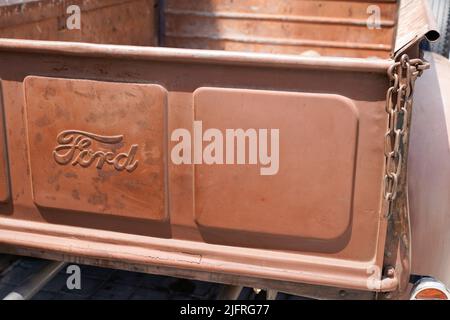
75, 147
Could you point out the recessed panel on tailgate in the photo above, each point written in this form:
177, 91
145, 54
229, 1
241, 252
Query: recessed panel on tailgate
306, 189
97, 147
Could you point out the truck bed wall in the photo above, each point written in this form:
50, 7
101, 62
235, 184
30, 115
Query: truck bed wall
329, 28
132, 22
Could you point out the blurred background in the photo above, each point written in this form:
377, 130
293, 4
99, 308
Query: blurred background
441, 12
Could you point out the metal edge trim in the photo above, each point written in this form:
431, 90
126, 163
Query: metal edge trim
184, 255
194, 55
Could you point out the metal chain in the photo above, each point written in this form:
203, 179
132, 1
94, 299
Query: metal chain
402, 75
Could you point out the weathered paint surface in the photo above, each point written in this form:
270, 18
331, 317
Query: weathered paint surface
429, 177
298, 250
320, 220
330, 28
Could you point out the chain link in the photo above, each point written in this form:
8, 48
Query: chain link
402, 75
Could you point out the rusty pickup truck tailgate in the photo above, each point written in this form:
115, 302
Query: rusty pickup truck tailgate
262, 169
96, 170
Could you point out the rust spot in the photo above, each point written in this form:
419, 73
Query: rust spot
104, 175
143, 124
122, 113
92, 117
62, 113
70, 175
98, 198
89, 95
54, 178
38, 137
76, 194
49, 92
42, 121
133, 185
119, 205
